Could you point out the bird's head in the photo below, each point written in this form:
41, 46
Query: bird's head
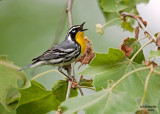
76, 29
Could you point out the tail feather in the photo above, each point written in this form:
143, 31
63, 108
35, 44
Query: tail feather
34, 64
26, 67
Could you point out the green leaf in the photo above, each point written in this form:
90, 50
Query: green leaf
154, 54
4, 111
113, 8
127, 26
86, 82
10, 80
133, 43
114, 65
156, 34
60, 89
112, 5
37, 100
103, 102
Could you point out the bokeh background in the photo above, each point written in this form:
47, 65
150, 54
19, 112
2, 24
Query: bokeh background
28, 28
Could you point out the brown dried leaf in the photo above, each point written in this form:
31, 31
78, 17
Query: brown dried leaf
126, 49
88, 55
151, 64
143, 111
144, 22
85, 82
136, 31
158, 39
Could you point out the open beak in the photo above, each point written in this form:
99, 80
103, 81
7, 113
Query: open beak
81, 27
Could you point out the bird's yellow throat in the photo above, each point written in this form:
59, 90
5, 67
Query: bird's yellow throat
80, 40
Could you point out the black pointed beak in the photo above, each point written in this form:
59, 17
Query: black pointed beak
82, 24
81, 27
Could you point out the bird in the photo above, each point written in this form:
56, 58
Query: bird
65, 53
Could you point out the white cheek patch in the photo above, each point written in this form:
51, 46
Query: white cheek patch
69, 38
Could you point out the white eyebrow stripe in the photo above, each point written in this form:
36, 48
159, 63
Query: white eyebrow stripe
72, 28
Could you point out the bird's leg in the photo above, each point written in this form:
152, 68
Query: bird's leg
60, 70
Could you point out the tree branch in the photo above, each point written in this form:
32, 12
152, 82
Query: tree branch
68, 10
71, 70
139, 20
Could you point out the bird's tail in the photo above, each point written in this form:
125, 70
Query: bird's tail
30, 65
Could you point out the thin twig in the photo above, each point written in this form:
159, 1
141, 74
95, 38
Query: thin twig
70, 68
126, 75
68, 10
146, 31
69, 71
151, 36
145, 87
80, 90
150, 41
141, 38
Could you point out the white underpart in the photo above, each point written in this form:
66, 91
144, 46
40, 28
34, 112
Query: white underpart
56, 60
38, 63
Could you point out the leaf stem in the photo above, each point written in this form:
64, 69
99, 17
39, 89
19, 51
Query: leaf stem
43, 73
80, 89
145, 87
126, 75
87, 87
156, 72
141, 38
106, 24
150, 41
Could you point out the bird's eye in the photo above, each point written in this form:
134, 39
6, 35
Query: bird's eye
73, 31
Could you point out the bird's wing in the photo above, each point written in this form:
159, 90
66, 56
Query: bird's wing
60, 51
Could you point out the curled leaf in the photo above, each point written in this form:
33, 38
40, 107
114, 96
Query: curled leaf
88, 55
158, 39
144, 22
126, 49
99, 29
130, 46
143, 111
136, 31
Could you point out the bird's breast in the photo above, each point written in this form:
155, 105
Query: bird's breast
80, 40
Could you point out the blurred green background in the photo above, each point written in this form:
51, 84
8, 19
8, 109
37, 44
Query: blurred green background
28, 28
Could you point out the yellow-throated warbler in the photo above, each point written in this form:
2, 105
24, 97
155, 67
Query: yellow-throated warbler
64, 53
